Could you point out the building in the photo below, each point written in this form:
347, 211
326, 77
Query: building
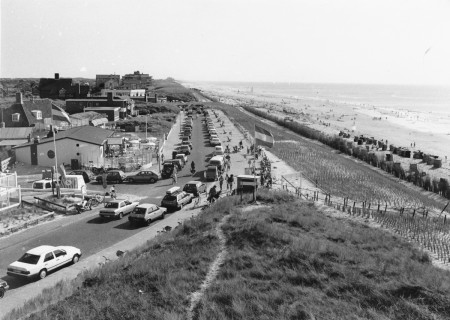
89, 118
10, 137
61, 88
37, 113
135, 94
126, 105
80, 145
113, 114
136, 80
107, 81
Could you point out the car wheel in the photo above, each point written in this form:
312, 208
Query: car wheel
152, 180
162, 216
131, 180
75, 259
2, 292
149, 221
120, 215
42, 274
120, 181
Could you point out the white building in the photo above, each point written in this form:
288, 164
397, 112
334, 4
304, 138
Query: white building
83, 145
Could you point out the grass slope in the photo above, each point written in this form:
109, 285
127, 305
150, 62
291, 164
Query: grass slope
286, 260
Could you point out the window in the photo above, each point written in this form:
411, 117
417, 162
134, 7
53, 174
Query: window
48, 257
15, 117
59, 253
37, 114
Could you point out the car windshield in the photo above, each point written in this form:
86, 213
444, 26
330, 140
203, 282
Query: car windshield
189, 187
170, 198
38, 185
29, 258
140, 210
111, 205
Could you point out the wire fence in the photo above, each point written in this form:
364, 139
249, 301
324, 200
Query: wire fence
417, 224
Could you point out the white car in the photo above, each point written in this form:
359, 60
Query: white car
39, 261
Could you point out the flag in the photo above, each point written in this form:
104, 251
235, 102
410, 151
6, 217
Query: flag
264, 137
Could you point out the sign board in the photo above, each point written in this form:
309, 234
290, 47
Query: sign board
249, 183
5, 164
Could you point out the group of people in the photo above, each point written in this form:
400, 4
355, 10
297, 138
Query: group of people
266, 173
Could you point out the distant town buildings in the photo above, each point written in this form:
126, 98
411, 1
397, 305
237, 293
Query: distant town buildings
136, 80
107, 81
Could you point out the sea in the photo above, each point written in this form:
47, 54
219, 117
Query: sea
435, 99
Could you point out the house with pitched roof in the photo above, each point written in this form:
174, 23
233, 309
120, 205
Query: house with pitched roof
37, 113
79, 145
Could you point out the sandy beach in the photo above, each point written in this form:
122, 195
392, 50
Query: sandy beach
426, 131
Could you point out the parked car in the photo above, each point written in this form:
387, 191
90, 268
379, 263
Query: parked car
212, 173
195, 188
167, 169
182, 157
117, 208
113, 176
144, 176
3, 287
146, 213
184, 149
176, 198
218, 151
38, 262
44, 184
187, 143
88, 175
215, 142
177, 162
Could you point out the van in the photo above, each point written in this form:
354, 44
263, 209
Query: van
70, 182
211, 173
216, 161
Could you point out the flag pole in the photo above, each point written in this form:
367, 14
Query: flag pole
254, 148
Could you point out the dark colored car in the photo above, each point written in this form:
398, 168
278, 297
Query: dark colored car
88, 175
113, 176
167, 170
195, 188
144, 176
176, 162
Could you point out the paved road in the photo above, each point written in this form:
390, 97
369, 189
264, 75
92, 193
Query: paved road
87, 231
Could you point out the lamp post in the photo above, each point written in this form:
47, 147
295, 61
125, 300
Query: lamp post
58, 192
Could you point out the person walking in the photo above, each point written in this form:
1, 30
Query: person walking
230, 182
221, 182
112, 192
226, 180
174, 177
212, 194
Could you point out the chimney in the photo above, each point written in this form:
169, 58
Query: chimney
37, 140
19, 99
110, 96
56, 76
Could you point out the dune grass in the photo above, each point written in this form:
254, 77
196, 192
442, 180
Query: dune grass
293, 262
286, 260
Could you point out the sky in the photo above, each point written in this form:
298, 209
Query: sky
331, 41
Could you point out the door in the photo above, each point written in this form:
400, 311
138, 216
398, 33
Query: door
74, 164
49, 261
34, 154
